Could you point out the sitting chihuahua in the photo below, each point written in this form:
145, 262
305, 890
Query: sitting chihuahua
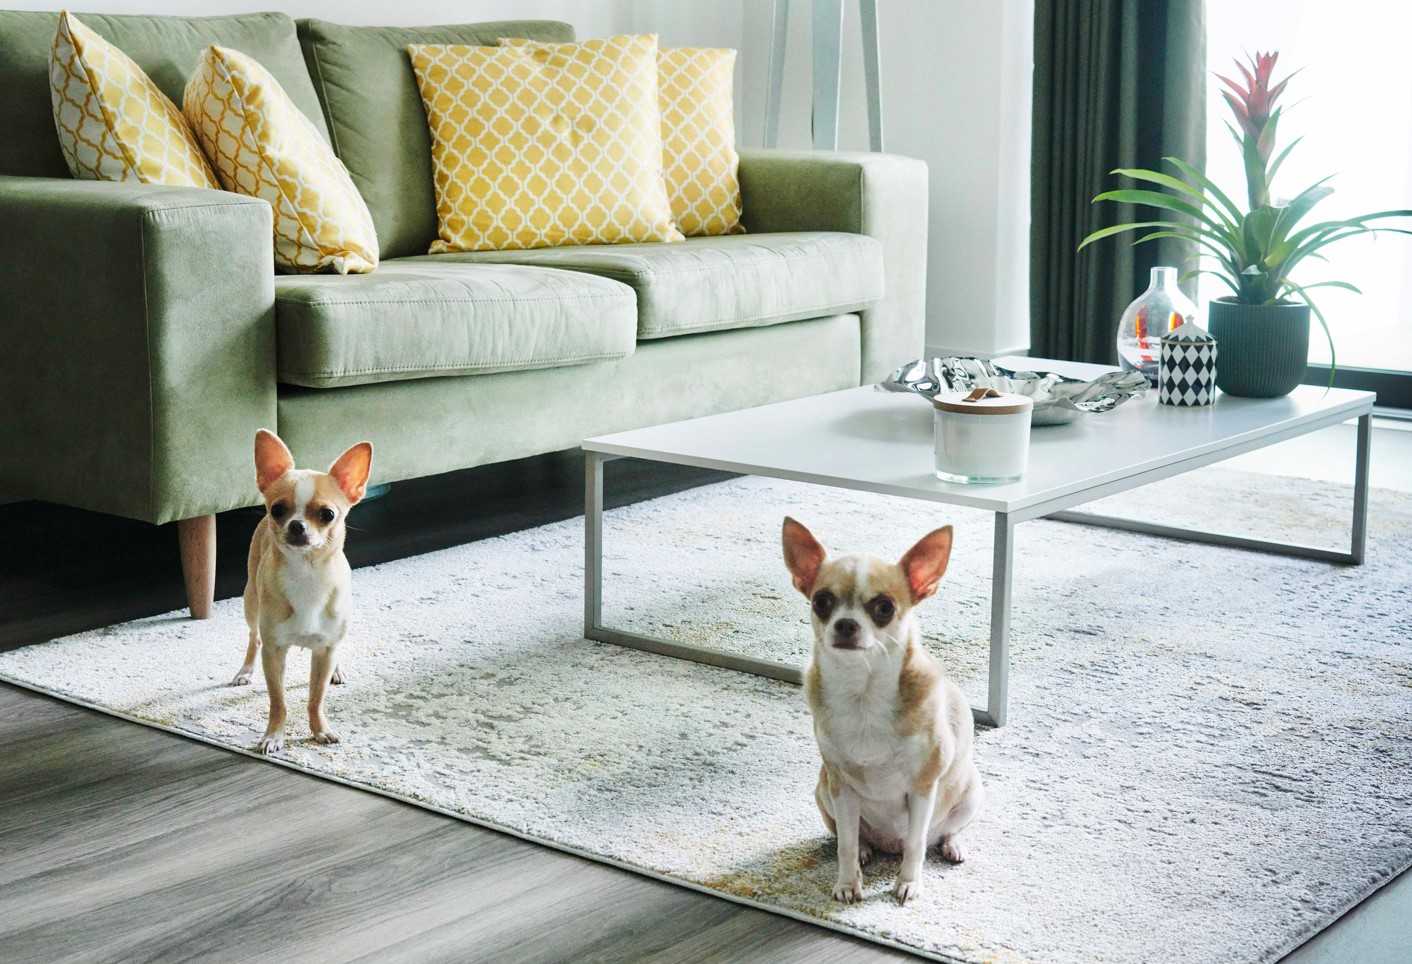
297, 593
895, 734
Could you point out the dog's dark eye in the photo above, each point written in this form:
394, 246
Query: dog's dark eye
824, 603
278, 510
326, 515
881, 610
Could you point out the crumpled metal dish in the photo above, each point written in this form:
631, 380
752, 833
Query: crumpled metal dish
1057, 398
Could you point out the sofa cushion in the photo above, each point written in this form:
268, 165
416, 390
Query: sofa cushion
421, 320
735, 281
374, 111
164, 47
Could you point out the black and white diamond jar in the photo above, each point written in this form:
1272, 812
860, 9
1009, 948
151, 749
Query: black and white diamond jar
1187, 372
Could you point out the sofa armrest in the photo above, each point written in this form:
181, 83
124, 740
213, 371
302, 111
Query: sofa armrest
137, 325
881, 195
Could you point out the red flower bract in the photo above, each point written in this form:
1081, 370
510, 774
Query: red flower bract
1253, 103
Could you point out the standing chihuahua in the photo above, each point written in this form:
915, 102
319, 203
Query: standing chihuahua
297, 593
895, 734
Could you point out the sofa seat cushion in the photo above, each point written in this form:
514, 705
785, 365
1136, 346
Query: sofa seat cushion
422, 320
711, 284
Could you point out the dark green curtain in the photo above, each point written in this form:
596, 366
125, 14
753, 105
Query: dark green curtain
1117, 83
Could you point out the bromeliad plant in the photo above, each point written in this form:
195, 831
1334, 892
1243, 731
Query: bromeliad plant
1256, 249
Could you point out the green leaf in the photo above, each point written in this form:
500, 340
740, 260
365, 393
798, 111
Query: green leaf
1220, 253
1266, 143
1165, 202
1323, 323
1280, 158
1335, 284
1176, 184
1120, 228
1207, 185
1215, 274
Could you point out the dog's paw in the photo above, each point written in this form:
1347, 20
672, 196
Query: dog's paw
951, 850
243, 677
325, 737
338, 679
849, 891
865, 854
272, 743
906, 890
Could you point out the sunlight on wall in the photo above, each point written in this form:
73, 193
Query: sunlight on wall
1352, 102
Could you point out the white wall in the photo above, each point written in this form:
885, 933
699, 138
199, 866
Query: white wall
956, 93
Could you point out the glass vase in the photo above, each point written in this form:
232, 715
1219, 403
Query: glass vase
1158, 310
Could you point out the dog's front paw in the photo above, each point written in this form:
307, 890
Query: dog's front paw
270, 743
243, 677
338, 679
906, 890
325, 737
951, 850
849, 891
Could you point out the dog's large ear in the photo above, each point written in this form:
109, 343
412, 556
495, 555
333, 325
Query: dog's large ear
272, 459
802, 555
925, 563
351, 470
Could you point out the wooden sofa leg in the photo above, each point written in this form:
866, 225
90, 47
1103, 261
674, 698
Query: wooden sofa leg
197, 539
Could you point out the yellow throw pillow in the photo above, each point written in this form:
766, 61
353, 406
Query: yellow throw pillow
545, 145
114, 124
699, 162
262, 146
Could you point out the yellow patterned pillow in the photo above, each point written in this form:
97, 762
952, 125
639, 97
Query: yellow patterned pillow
262, 146
547, 145
700, 164
113, 122
699, 161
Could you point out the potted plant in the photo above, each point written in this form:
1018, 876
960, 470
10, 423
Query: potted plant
1263, 325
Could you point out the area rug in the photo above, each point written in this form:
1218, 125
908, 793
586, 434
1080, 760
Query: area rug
1209, 756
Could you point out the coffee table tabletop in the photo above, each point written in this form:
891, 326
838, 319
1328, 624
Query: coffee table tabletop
874, 441
862, 438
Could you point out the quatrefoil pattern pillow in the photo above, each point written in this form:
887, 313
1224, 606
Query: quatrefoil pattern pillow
699, 161
261, 145
546, 144
114, 124
700, 166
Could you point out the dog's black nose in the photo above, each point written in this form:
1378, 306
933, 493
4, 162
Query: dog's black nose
846, 627
296, 528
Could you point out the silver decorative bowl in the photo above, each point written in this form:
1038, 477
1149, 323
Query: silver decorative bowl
1057, 398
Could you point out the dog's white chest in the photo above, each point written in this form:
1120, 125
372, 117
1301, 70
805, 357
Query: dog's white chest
857, 732
861, 735
317, 618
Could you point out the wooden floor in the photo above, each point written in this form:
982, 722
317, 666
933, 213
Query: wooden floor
118, 842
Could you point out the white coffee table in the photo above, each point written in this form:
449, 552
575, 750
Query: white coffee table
877, 442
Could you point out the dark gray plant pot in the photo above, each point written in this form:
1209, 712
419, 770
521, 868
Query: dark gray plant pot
1264, 349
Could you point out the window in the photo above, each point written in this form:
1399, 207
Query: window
1352, 103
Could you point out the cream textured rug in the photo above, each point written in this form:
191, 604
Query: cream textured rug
1209, 756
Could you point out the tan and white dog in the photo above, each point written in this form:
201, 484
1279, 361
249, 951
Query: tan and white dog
298, 589
895, 734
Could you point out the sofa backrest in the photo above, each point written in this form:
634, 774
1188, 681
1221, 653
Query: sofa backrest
165, 47
365, 82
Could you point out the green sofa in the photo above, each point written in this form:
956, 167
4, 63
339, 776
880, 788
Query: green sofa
147, 335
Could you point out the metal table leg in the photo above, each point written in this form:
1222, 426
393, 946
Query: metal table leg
1354, 555
593, 627
1002, 569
